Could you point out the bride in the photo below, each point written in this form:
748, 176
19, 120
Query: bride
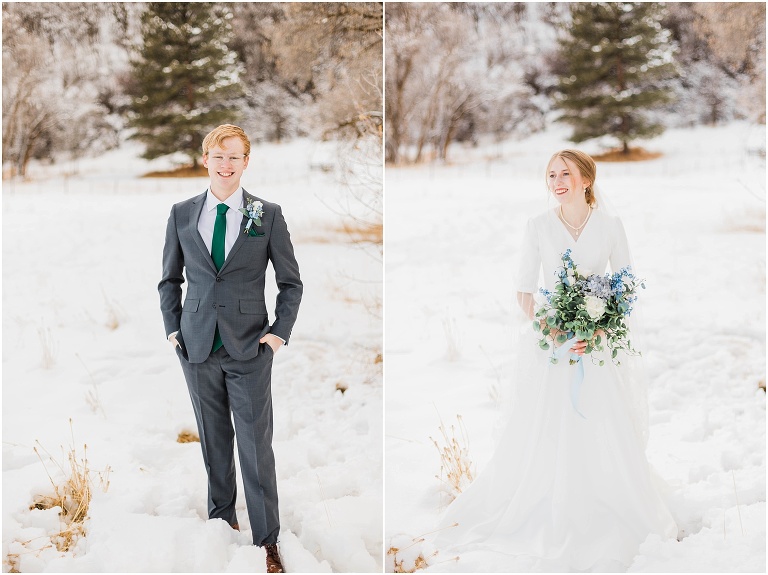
566, 489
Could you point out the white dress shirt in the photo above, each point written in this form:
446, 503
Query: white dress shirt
234, 218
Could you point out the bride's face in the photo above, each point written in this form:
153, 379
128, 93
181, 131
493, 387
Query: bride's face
565, 182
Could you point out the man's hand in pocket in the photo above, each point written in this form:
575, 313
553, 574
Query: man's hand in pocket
173, 340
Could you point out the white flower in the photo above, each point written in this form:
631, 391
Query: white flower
255, 209
595, 307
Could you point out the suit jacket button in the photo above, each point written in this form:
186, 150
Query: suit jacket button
218, 279
214, 306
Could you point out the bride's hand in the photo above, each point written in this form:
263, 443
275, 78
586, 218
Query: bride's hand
553, 333
580, 346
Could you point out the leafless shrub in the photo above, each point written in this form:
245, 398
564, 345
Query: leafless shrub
72, 494
456, 468
407, 554
362, 174
405, 564
12, 560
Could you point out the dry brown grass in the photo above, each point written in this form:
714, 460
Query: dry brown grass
452, 339
115, 314
8, 173
72, 496
92, 397
456, 471
187, 437
13, 561
50, 349
356, 232
634, 155
756, 228
402, 564
366, 362
180, 172
341, 386
363, 232
419, 563
344, 289
747, 221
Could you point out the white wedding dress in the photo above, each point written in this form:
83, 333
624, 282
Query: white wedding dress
562, 492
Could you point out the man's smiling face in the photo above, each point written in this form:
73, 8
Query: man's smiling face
226, 163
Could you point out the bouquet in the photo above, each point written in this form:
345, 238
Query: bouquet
588, 307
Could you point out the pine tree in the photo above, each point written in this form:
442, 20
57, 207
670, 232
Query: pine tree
185, 80
617, 60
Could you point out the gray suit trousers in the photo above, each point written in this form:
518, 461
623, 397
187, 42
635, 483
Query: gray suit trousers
223, 389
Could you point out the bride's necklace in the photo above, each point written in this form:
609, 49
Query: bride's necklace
576, 229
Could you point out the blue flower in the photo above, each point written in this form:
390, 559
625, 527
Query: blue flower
253, 210
598, 286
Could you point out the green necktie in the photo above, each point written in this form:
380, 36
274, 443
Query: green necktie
217, 254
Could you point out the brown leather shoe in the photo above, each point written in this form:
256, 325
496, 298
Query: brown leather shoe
274, 565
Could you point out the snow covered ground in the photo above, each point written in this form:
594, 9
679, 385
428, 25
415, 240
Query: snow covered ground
695, 219
81, 260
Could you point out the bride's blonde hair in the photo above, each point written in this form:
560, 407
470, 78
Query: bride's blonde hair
586, 166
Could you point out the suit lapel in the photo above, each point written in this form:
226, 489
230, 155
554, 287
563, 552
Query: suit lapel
194, 216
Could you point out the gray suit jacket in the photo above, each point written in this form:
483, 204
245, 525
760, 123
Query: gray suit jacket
233, 296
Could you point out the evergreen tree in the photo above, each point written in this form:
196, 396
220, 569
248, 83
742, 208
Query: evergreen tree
617, 60
185, 79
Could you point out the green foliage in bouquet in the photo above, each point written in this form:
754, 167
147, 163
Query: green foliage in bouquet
589, 307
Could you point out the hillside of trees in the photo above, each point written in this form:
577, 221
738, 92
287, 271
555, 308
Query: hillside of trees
456, 72
80, 78
83, 77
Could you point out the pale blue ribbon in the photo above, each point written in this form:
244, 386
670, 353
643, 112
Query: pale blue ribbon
578, 376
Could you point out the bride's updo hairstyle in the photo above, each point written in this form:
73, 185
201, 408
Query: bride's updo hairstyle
586, 166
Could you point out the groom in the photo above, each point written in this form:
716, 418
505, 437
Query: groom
221, 332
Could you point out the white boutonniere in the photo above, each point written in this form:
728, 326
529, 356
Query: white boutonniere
253, 210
